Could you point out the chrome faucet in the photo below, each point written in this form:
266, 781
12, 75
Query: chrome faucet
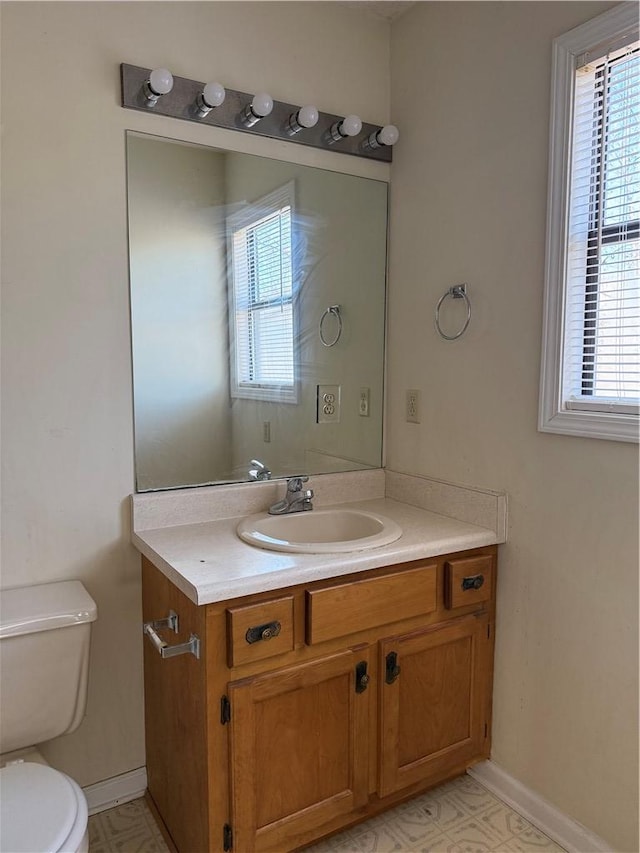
296, 499
260, 472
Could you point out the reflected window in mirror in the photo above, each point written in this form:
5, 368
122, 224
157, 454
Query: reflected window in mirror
262, 320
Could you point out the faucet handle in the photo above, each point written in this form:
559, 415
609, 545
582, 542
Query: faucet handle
260, 472
294, 484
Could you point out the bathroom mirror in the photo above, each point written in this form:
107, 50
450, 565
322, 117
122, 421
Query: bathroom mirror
258, 315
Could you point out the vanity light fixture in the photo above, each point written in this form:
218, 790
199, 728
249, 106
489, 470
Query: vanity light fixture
305, 117
260, 106
160, 83
212, 96
209, 103
387, 135
350, 125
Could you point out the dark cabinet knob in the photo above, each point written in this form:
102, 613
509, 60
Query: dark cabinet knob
392, 667
263, 632
362, 677
472, 582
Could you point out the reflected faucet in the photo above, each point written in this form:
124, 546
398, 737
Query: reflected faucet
296, 499
260, 472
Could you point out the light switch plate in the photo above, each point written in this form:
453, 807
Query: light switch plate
328, 410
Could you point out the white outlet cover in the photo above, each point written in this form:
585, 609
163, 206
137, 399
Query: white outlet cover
412, 407
328, 406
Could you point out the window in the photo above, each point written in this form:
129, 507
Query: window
590, 381
262, 317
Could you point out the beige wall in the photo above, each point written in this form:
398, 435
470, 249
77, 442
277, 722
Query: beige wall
470, 92
66, 409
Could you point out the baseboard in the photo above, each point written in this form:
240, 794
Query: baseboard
117, 790
568, 833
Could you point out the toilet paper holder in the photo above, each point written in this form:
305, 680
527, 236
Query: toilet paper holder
192, 646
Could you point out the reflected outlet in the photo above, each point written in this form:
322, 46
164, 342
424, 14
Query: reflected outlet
328, 407
412, 414
363, 403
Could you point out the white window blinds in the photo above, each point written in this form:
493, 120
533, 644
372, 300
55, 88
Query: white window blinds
262, 315
601, 369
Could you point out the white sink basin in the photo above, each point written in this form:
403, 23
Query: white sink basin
319, 531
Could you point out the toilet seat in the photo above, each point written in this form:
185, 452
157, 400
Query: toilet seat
41, 809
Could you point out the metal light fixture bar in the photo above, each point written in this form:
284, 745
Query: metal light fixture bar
180, 103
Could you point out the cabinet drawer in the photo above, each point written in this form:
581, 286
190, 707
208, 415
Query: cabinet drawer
468, 581
359, 605
259, 631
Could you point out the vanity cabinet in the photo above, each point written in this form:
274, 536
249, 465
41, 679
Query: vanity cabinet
314, 707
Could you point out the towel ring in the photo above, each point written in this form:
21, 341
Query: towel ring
457, 292
335, 310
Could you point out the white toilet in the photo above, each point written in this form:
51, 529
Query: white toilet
44, 668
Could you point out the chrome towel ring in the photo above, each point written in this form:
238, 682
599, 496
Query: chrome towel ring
457, 292
335, 310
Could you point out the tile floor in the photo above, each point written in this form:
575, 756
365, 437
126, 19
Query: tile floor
460, 817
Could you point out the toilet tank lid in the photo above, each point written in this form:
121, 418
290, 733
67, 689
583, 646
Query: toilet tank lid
29, 609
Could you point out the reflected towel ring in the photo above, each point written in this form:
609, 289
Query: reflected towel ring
335, 310
457, 292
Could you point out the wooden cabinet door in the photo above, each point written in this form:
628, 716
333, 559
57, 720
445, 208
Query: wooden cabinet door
434, 704
298, 749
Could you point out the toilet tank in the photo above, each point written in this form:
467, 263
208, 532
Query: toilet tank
44, 661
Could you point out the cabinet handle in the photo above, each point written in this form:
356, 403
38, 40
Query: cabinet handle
362, 677
472, 582
393, 670
263, 632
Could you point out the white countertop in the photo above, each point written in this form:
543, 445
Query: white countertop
209, 562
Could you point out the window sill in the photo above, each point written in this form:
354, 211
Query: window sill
614, 427
265, 395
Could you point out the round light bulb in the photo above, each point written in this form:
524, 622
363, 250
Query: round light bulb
214, 94
161, 81
262, 104
351, 125
389, 135
308, 116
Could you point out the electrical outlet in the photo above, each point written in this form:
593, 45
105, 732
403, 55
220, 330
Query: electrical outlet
413, 407
328, 411
363, 403
266, 431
